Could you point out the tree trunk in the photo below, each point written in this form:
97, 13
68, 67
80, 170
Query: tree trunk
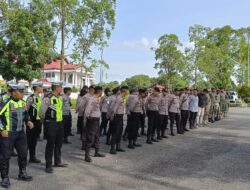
62, 43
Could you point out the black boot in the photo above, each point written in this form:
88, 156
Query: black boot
87, 155
97, 154
83, 145
118, 148
22, 171
112, 150
149, 140
163, 135
108, 140
66, 141
14, 154
34, 160
130, 145
159, 135
172, 131
4, 168
136, 144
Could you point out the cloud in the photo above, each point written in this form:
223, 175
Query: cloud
142, 44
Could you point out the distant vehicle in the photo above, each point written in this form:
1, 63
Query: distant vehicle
233, 96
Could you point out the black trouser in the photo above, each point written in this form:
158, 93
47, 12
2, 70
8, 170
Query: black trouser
32, 137
54, 134
92, 132
17, 140
66, 125
174, 118
192, 119
117, 129
184, 119
133, 126
163, 122
142, 123
152, 123
104, 123
79, 124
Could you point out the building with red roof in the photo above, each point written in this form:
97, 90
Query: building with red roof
72, 74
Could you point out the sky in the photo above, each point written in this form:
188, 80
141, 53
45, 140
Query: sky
139, 23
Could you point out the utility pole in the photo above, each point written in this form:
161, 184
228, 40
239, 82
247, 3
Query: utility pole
248, 58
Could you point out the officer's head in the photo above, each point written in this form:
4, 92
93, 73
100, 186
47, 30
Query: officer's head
156, 90
116, 90
38, 87
177, 92
17, 91
57, 88
124, 91
67, 91
84, 91
92, 90
107, 92
205, 91
134, 91
142, 92
195, 92
98, 91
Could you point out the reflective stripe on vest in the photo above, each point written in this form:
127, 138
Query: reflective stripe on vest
56, 105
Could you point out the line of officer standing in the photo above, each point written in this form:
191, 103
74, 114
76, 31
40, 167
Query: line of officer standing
53, 112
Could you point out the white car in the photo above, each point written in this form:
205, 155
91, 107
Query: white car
233, 96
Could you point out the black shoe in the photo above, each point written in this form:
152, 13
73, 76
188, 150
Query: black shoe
186, 129
172, 134
61, 165
130, 146
120, 150
23, 176
49, 170
88, 159
97, 154
164, 136
112, 150
72, 135
154, 140
5, 182
159, 138
149, 142
143, 134
180, 133
34, 161
137, 145
124, 138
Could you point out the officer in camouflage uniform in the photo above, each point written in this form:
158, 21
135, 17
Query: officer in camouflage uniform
217, 106
212, 95
223, 102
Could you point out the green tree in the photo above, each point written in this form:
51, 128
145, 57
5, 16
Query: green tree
169, 58
25, 41
111, 85
139, 81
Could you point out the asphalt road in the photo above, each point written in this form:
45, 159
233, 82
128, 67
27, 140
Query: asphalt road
212, 158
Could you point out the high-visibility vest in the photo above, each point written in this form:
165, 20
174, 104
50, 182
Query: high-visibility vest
34, 109
54, 111
13, 114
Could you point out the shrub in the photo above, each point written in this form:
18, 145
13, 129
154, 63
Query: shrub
244, 91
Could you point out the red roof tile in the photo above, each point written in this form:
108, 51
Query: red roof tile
55, 64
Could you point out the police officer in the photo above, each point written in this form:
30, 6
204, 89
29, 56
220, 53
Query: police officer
67, 118
13, 116
212, 95
207, 107
52, 117
116, 116
163, 114
152, 107
82, 106
92, 116
112, 100
104, 109
223, 102
135, 108
34, 102
217, 106
174, 112
184, 105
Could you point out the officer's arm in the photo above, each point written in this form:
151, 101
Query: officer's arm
2, 125
44, 107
